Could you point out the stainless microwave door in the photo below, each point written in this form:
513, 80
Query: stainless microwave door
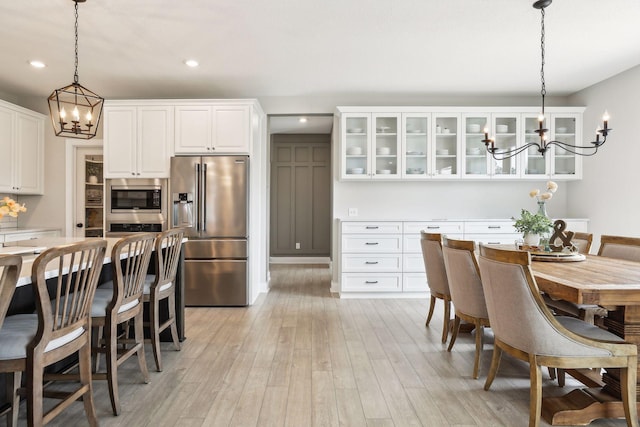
185, 178
225, 194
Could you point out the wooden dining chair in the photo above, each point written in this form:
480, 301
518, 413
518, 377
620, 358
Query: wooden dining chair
620, 247
10, 266
161, 286
431, 244
64, 279
466, 291
119, 303
524, 327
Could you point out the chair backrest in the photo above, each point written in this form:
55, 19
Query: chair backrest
10, 266
168, 245
66, 307
431, 244
582, 241
464, 277
517, 313
620, 247
134, 254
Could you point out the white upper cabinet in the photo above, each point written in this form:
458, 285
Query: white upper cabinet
213, 128
138, 140
22, 146
446, 143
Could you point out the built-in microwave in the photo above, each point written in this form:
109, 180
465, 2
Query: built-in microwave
136, 201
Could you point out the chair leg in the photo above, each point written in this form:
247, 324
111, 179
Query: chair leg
172, 316
34, 392
479, 345
139, 337
96, 339
552, 373
431, 307
535, 393
561, 377
628, 378
13, 384
454, 332
495, 363
84, 359
111, 339
154, 326
445, 321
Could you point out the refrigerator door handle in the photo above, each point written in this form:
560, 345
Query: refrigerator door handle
203, 200
198, 183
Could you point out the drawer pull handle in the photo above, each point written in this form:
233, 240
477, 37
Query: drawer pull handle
371, 282
371, 262
493, 243
494, 227
372, 227
371, 243
433, 227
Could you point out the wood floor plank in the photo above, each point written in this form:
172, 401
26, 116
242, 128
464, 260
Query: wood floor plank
323, 399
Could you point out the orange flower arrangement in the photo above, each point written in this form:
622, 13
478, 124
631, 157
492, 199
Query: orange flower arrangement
10, 207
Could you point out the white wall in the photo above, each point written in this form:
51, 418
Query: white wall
606, 193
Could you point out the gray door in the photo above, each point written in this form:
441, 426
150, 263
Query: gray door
300, 195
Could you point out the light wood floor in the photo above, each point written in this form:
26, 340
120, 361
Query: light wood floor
302, 357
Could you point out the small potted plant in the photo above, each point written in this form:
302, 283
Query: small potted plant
532, 226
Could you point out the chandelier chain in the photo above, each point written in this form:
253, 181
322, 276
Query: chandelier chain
543, 91
75, 74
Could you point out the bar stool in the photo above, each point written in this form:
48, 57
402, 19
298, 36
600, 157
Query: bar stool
116, 303
161, 286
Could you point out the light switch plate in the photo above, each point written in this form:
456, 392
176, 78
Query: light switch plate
353, 211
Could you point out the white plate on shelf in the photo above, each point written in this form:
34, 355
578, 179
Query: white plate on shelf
355, 171
415, 131
382, 129
414, 153
354, 151
415, 171
445, 171
383, 150
442, 152
383, 171
502, 128
354, 130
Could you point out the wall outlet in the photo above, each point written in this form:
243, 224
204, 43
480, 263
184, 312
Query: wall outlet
353, 211
297, 245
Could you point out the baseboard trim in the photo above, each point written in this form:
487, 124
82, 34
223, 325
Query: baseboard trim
299, 260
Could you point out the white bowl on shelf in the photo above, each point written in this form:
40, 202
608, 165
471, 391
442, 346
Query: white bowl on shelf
442, 152
415, 171
355, 171
383, 150
561, 130
473, 128
502, 128
445, 171
383, 171
473, 151
354, 151
354, 130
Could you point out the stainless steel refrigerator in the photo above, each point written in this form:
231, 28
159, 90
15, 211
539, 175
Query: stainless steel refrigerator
210, 199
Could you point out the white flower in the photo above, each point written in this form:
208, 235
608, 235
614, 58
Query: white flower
10, 207
552, 186
545, 196
534, 193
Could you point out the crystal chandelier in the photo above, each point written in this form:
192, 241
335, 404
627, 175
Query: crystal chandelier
75, 110
544, 144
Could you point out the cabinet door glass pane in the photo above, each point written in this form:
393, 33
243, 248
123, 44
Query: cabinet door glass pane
416, 143
446, 146
535, 163
356, 145
506, 139
386, 145
475, 150
565, 131
94, 195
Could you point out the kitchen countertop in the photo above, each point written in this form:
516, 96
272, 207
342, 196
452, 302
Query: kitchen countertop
14, 230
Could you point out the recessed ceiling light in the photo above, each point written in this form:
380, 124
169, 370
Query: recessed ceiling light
37, 64
302, 120
191, 63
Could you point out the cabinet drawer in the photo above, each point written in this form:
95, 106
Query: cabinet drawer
372, 244
414, 282
495, 239
15, 237
371, 227
411, 242
387, 282
413, 263
443, 227
363, 263
493, 227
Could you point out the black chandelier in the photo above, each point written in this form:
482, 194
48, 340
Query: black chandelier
543, 145
75, 110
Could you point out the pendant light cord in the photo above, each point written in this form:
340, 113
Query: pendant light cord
543, 91
75, 74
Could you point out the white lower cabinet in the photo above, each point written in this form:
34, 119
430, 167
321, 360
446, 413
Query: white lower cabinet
385, 257
28, 235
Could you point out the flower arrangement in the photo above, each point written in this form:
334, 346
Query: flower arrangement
10, 207
543, 197
529, 223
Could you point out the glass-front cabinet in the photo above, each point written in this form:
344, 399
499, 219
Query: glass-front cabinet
566, 128
446, 147
356, 139
476, 160
415, 145
506, 131
386, 146
535, 165
94, 196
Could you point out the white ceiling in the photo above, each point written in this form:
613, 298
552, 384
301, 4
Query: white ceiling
307, 48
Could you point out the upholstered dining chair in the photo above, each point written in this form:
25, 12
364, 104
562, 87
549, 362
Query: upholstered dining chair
160, 286
524, 327
582, 241
64, 279
119, 302
466, 291
431, 244
620, 247
10, 266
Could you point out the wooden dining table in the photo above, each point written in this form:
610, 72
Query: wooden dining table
610, 283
